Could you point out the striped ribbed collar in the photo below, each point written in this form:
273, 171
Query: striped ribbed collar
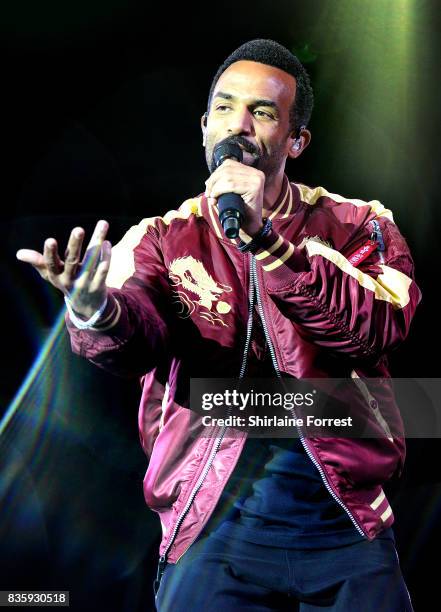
285, 205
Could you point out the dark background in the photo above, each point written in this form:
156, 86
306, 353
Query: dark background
101, 107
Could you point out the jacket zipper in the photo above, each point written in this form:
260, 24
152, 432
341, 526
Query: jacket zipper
277, 370
254, 290
163, 558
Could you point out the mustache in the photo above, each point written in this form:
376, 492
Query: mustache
238, 140
249, 147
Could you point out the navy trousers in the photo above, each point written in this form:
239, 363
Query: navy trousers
220, 574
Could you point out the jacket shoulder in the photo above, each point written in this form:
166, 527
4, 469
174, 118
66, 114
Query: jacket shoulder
191, 206
140, 235
345, 209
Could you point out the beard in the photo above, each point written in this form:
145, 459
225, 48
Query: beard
268, 163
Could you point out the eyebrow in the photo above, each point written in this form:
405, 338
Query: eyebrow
258, 102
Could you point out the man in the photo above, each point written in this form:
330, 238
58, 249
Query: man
315, 286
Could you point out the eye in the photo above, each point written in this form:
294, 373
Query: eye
263, 114
222, 108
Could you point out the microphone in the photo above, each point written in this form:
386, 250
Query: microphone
230, 205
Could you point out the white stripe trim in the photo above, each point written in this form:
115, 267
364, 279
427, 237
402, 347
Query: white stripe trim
377, 502
386, 514
270, 249
288, 210
391, 286
311, 195
278, 262
214, 220
280, 206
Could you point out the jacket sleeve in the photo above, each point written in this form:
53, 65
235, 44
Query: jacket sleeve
132, 335
361, 311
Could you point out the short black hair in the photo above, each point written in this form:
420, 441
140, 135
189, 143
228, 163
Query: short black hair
274, 54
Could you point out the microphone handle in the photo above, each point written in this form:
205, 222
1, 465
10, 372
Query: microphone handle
231, 212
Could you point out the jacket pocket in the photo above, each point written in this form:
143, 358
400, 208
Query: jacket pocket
372, 404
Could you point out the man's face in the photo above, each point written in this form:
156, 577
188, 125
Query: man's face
251, 106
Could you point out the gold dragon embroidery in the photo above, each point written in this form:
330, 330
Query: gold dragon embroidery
190, 274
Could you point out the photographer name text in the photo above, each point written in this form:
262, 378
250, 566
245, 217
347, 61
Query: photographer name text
274, 421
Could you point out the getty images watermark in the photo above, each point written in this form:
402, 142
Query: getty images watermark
350, 407
244, 401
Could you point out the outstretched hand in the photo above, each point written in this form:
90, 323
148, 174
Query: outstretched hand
83, 281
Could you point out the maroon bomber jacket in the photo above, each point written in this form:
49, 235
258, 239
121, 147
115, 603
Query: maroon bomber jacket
180, 306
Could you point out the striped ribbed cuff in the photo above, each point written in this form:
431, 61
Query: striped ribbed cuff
81, 323
280, 259
108, 318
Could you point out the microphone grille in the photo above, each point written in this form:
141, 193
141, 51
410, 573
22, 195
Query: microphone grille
227, 150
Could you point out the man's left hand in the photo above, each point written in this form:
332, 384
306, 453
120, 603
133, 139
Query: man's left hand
248, 182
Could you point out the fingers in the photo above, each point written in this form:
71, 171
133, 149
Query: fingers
89, 289
246, 181
32, 257
249, 187
73, 253
54, 265
95, 265
93, 251
220, 173
35, 259
64, 275
99, 233
99, 279
48, 265
233, 177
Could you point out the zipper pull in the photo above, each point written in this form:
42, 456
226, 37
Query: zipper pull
161, 567
377, 236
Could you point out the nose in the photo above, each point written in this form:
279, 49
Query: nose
240, 121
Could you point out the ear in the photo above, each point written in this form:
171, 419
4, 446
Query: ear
204, 127
297, 145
